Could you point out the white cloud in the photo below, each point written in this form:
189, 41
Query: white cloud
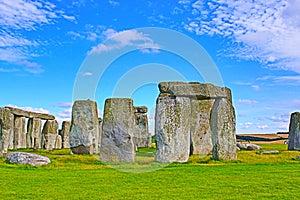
28, 108
247, 101
265, 31
262, 126
126, 38
87, 74
63, 105
245, 125
17, 16
286, 80
255, 87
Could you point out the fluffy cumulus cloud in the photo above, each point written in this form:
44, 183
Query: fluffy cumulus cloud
23, 15
128, 38
265, 31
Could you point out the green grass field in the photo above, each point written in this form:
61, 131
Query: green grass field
252, 176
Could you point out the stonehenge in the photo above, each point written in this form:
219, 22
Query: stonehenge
23, 129
190, 118
294, 132
194, 118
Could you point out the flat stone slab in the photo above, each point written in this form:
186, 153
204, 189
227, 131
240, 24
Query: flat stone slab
194, 90
270, 152
27, 158
29, 114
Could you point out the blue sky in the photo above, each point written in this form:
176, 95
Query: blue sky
255, 46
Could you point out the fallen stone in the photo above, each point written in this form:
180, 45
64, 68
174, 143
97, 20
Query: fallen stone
294, 132
270, 152
253, 147
118, 131
19, 132
50, 132
27, 158
172, 129
34, 133
29, 114
65, 134
84, 126
223, 130
241, 145
201, 135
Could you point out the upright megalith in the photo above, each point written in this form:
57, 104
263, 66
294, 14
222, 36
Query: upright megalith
19, 132
142, 137
294, 132
65, 134
193, 102
118, 131
7, 129
50, 132
223, 130
100, 120
201, 135
34, 133
84, 134
172, 127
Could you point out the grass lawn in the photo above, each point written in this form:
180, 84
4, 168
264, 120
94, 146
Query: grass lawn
252, 176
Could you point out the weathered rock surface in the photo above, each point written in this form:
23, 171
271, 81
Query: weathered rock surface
252, 147
27, 158
84, 127
172, 129
58, 142
201, 135
142, 137
194, 90
294, 132
223, 130
29, 114
140, 109
34, 133
19, 132
50, 132
117, 134
241, 145
7, 128
100, 120
65, 134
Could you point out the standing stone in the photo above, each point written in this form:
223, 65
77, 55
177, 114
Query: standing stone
142, 137
223, 130
65, 134
34, 133
7, 126
58, 142
172, 129
294, 132
100, 132
118, 127
201, 135
19, 132
84, 133
50, 132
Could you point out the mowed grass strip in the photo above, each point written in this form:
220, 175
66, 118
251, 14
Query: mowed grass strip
253, 176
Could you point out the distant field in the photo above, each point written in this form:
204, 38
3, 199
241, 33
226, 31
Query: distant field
264, 138
252, 176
